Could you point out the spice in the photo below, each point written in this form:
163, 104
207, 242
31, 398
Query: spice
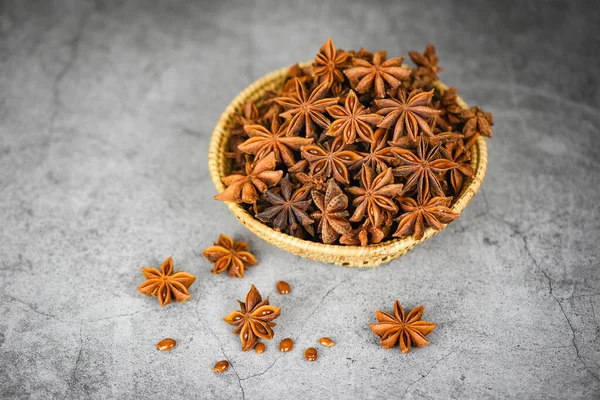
283, 287
260, 348
325, 341
286, 345
310, 354
406, 329
221, 366
355, 149
254, 320
165, 284
166, 344
229, 256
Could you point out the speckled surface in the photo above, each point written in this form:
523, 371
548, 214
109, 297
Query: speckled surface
106, 110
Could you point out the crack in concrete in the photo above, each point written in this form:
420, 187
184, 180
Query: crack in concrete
77, 361
428, 372
35, 310
91, 321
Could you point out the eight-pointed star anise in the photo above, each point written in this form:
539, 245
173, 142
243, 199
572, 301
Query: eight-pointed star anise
421, 169
331, 214
407, 115
478, 122
380, 155
420, 215
351, 120
247, 188
407, 329
254, 320
166, 285
229, 256
287, 212
456, 152
305, 109
365, 75
375, 196
263, 141
330, 159
328, 64
426, 71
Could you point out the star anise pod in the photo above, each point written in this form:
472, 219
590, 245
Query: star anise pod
419, 215
230, 256
426, 69
332, 212
408, 115
330, 159
377, 75
457, 153
166, 285
248, 115
305, 109
263, 141
352, 120
247, 188
287, 212
380, 155
406, 329
328, 64
293, 73
450, 110
364, 235
478, 122
310, 181
421, 169
254, 320
375, 195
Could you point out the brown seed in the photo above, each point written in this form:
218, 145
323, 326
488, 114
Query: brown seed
325, 341
310, 354
221, 366
260, 348
286, 345
166, 344
283, 287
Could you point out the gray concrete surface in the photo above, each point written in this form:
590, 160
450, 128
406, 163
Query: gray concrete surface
106, 109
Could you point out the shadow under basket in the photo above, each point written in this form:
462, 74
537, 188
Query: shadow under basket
350, 256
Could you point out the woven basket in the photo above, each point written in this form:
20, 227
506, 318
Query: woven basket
351, 256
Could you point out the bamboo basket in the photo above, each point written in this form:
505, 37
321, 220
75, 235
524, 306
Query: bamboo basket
350, 256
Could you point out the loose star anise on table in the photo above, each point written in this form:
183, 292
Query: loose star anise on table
254, 320
371, 149
165, 284
402, 328
230, 256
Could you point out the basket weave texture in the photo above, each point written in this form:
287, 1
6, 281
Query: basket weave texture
351, 256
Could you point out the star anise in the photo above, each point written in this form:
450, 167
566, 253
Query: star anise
248, 115
304, 75
426, 71
421, 169
450, 110
364, 235
254, 320
310, 181
407, 329
351, 120
456, 152
247, 188
229, 256
419, 215
166, 285
331, 214
263, 141
287, 212
478, 122
407, 115
328, 64
381, 73
380, 155
305, 109
375, 195
330, 159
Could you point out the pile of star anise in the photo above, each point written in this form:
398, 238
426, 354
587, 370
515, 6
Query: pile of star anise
357, 148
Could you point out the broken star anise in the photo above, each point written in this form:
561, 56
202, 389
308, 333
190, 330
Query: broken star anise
377, 75
230, 256
254, 320
420, 215
332, 212
402, 328
165, 284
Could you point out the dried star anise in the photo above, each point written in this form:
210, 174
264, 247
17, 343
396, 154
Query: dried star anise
478, 122
456, 152
230, 256
420, 215
330, 159
364, 235
287, 212
406, 329
380, 155
165, 284
351, 120
254, 320
332, 212
328, 64
426, 71
377, 75
247, 188
304, 109
263, 141
374, 196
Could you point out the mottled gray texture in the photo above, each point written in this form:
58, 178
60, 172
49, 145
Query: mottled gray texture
106, 110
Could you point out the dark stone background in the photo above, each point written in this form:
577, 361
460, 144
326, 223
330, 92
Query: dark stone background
106, 110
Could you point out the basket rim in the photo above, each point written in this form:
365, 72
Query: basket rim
221, 133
